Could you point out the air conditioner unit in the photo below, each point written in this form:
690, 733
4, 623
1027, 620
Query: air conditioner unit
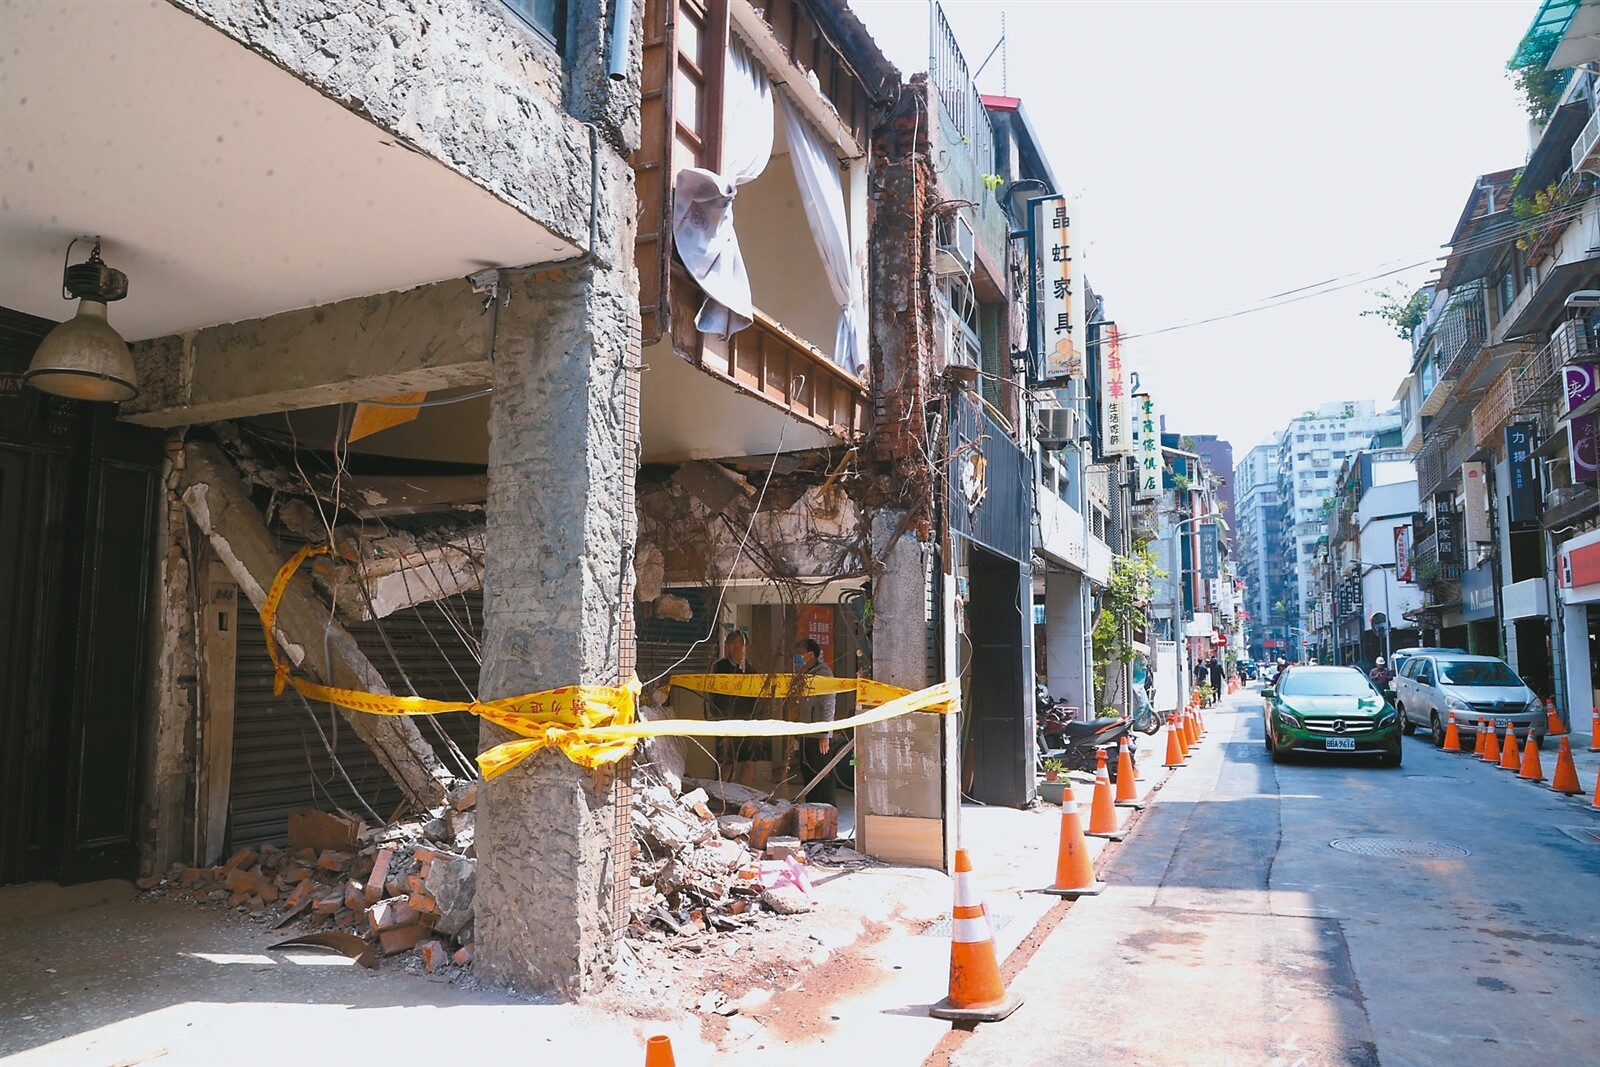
1057, 427
954, 240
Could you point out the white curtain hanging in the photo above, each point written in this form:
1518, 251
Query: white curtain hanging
816, 171
702, 205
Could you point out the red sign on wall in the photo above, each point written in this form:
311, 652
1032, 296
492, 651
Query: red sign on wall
1580, 566
816, 622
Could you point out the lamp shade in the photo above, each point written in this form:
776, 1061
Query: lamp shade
85, 359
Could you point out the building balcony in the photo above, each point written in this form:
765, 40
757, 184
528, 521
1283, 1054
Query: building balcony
1540, 381
1569, 503
769, 362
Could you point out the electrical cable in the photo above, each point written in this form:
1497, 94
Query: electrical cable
436, 403
755, 512
1487, 240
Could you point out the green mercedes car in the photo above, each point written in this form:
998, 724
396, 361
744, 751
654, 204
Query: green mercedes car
1330, 711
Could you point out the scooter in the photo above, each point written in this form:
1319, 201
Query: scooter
1061, 737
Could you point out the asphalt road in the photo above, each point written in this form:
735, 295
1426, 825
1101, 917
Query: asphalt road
1233, 933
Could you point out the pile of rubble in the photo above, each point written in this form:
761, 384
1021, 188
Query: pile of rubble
710, 859
696, 870
405, 888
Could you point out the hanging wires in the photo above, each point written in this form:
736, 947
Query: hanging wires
744, 540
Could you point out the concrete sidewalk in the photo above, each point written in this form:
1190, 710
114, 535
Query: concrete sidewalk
126, 980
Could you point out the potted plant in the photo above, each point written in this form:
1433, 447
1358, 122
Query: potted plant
1053, 788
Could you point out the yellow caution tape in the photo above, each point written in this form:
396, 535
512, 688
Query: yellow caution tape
869, 694
598, 724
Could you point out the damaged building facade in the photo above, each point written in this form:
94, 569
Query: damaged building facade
585, 334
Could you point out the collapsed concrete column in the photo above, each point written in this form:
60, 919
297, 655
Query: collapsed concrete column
219, 502
553, 838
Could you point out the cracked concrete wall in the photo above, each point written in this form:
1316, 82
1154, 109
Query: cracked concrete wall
467, 83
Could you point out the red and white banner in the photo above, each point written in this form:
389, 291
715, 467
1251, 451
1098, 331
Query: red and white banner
1403, 569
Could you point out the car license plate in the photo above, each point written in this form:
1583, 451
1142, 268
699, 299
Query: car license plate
1500, 724
1347, 744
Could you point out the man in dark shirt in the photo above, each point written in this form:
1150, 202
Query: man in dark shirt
1216, 673
818, 708
736, 756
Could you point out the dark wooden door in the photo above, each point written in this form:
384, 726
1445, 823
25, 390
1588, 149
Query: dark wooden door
78, 494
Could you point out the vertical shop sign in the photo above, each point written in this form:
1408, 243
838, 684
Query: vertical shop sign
1524, 489
1149, 454
1210, 554
1056, 319
1447, 537
1583, 430
1116, 427
1403, 569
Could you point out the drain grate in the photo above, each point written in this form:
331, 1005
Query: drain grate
1589, 835
942, 927
1398, 848
1433, 778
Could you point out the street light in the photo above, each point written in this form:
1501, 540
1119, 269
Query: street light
1388, 617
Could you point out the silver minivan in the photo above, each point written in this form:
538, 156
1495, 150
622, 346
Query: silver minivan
1432, 685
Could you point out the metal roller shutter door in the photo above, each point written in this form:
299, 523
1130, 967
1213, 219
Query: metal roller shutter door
280, 763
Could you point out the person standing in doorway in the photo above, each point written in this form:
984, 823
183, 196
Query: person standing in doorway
818, 708
736, 756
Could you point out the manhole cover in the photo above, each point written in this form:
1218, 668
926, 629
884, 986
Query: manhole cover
1398, 848
942, 927
1587, 834
1433, 778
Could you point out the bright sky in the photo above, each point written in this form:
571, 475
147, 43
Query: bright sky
1222, 153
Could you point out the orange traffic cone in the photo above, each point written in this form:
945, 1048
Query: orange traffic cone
1594, 732
1508, 751
1183, 733
1532, 770
1191, 735
1491, 743
1553, 724
1102, 810
1174, 746
1074, 871
1127, 787
1597, 791
658, 1052
1478, 740
1566, 779
976, 992
1452, 736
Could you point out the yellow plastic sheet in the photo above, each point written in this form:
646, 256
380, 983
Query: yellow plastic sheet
595, 725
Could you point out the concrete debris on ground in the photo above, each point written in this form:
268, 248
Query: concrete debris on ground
716, 857
710, 862
407, 887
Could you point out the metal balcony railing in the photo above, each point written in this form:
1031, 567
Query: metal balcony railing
1460, 332
1500, 402
1430, 469
1569, 502
1586, 149
1540, 380
947, 69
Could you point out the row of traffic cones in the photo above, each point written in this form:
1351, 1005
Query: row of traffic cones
977, 992
1527, 766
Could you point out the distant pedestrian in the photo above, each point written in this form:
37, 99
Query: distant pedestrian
1216, 679
1380, 675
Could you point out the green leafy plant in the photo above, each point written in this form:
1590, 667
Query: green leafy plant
1541, 89
1181, 482
1121, 611
1552, 199
992, 182
1404, 313
1053, 769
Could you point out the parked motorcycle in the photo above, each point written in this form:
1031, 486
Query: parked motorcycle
1061, 737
